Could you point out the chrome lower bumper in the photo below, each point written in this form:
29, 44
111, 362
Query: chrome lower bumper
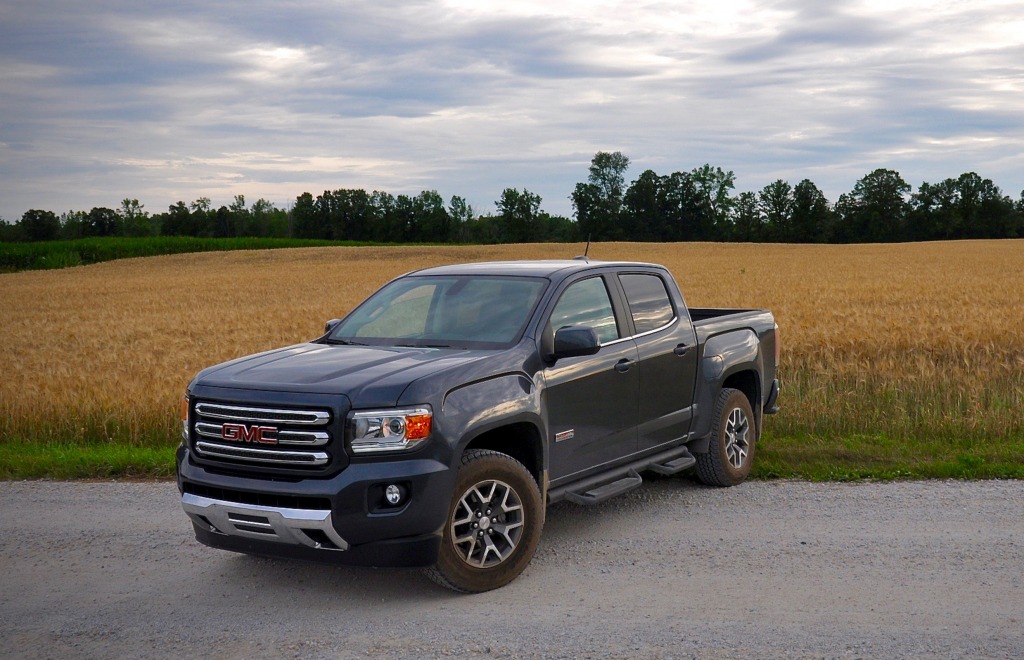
308, 527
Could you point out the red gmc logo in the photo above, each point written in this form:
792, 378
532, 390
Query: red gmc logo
242, 433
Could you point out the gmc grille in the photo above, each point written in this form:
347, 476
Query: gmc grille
262, 436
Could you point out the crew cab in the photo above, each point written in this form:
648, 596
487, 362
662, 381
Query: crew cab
434, 424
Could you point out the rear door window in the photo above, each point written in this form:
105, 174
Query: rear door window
649, 302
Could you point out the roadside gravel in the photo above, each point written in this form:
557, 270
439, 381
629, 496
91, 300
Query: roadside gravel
671, 570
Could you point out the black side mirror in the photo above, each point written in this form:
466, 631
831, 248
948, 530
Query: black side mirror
575, 340
331, 325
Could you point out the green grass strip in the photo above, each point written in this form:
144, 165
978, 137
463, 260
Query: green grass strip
67, 461
878, 456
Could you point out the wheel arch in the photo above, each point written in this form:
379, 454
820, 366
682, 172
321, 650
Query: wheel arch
519, 439
748, 382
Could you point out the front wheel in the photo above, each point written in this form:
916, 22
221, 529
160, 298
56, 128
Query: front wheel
493, 524
731, 452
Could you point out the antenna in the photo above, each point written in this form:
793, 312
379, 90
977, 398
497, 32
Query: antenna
583, 257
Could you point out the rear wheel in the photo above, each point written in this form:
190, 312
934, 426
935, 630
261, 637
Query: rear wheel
731, 452
493, 524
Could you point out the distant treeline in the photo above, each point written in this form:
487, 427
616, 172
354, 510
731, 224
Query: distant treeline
699, 205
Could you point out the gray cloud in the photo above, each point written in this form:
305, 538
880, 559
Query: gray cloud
169, 101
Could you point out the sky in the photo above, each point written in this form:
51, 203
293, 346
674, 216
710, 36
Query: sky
166, 101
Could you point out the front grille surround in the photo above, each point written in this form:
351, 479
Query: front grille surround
274, 439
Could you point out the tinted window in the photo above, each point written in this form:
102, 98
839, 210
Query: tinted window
648, 300
587, 303
431, 311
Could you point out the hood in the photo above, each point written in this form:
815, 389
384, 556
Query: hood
367, 375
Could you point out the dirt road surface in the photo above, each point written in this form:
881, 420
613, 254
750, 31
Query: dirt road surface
672, 570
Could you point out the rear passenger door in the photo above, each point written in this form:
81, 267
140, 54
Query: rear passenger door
667, 351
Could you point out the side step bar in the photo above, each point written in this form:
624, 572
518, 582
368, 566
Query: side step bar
601, 487
607, 491
674, 466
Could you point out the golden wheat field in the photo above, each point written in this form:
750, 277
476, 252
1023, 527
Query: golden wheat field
906, 341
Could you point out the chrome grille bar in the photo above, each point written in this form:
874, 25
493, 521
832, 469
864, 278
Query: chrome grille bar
268, 415
303, 438
311, 458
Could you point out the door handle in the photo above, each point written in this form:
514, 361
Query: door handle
623, 365
681, 350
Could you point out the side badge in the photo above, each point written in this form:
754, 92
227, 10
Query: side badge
565, 435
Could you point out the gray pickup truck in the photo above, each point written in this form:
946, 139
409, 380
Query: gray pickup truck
434, 423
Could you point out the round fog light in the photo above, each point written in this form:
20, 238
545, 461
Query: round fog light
393, 494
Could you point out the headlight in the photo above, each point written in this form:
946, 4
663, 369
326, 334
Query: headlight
184, 418
389, 430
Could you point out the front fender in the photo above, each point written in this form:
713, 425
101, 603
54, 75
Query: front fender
475, 408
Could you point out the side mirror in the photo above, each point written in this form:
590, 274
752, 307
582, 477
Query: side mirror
331, 325
575, 340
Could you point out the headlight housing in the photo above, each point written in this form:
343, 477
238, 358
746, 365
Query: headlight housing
184, 418
374, 431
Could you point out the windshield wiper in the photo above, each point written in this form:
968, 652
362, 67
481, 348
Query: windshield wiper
343, 342
424, 345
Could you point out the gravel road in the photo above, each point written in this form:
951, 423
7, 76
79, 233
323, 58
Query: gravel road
671, 570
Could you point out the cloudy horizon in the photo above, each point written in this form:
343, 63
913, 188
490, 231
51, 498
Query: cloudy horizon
164, 101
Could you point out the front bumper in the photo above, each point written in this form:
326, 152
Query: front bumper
309, 527
337, 519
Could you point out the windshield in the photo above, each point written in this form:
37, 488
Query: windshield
450, 311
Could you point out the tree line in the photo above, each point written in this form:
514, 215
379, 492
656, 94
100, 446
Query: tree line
698, 205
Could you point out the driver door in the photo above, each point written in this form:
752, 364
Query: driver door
592, 401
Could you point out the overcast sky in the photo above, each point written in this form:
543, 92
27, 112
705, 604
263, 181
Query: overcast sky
166, 101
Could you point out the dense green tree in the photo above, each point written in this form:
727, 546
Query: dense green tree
223, 223
520, 215
558, 229
811, 217
388, 226
461, 213
876, 210
345, 214
687, 215
598, 203
715, 185
643, 205
103, 221
304, 217
11, 232
966, 207
203, 217
435, 225
747, 224
39, 225
268, 220
74, 225
134, 219
775, 203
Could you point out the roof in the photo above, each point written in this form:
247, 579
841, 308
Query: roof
536, 268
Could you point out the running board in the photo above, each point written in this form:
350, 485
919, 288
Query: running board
606, 491
674, 466
599, 487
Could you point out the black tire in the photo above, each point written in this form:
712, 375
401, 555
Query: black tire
493, 525
733, 441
